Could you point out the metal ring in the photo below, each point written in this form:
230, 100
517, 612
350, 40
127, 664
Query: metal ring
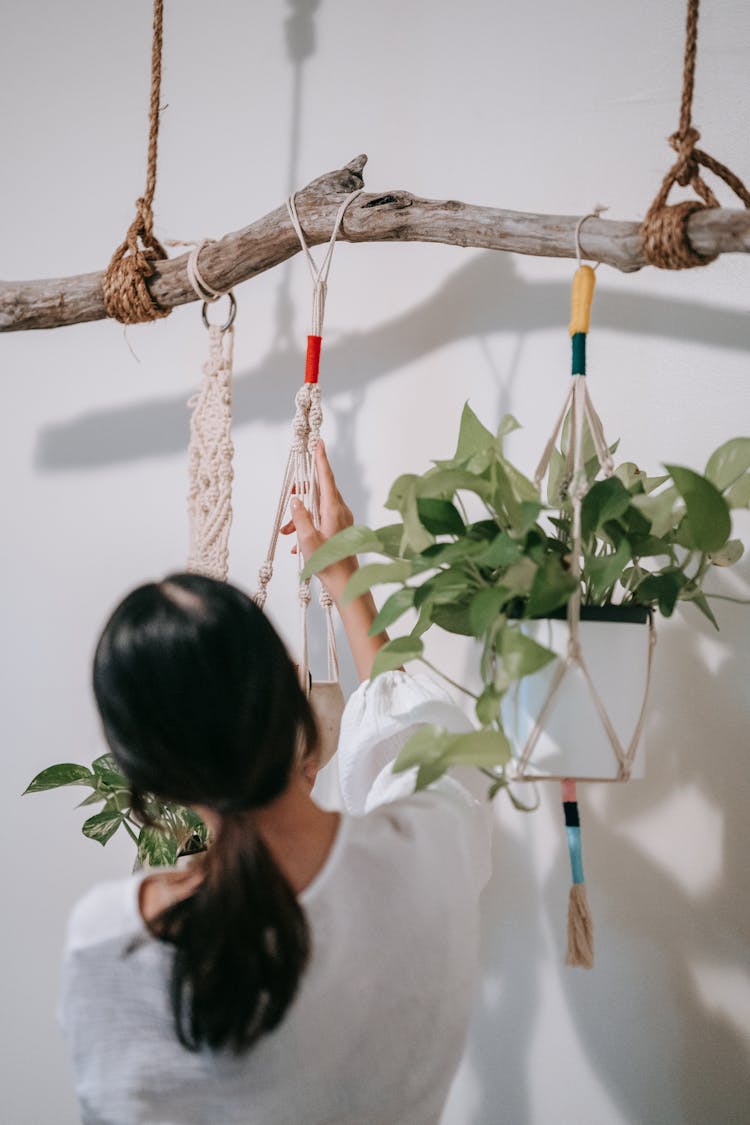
230, 318
595, 214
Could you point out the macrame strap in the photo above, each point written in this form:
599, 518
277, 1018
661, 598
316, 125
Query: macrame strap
580, 927
127, 297
319, 276
211, 450
581, 411
300, 475
664, 236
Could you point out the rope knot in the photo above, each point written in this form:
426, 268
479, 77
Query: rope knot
303, 594
265, 573
684, 142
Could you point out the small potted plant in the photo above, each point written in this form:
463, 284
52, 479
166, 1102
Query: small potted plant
648, 543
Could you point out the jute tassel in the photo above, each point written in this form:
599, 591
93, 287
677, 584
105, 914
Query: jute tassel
580, 929
580, 951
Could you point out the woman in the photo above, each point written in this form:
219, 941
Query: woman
312, 966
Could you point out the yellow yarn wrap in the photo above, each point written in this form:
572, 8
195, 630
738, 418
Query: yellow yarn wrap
584, 281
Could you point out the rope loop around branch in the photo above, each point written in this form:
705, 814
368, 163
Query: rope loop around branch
664, 235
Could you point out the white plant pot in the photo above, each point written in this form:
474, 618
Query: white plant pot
574, 742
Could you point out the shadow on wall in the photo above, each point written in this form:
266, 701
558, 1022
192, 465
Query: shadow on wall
482, 297
662, 1050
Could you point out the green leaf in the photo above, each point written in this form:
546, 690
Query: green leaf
555, 479
604, 570
427, 744
521, 655
157, 847
453, 617
730, 553
473, 437
350, 541
551, 588
440, 517
445, 587
393, 608
660, 510
390, 538
443, 483
738, 496
460, 551
520, 577
377, 574
693, 594
395, 653
478, 748
663, 589
507, 425
522, 487
707, 510
103, 825
605, 500
484, 608
729, 462
488, 706
501, 553
65, 773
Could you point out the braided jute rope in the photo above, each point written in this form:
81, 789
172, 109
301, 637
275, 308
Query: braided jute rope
664, 231
126, 294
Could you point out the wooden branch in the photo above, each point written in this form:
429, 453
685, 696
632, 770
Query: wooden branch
395, 216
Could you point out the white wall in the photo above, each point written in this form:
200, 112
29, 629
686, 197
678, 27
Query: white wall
544, 106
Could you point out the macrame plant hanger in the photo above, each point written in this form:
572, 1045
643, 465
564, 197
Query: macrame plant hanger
580, 410
211, 451
300, 478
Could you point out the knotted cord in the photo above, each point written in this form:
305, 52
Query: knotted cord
126, 294
210, 454
300, 475
664, 231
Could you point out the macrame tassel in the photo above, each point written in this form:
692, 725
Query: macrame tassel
210, 462
580, 951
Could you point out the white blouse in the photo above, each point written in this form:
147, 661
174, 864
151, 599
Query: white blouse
377, 1029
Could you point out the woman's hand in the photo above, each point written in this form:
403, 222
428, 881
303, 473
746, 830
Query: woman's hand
358, 614
334, 516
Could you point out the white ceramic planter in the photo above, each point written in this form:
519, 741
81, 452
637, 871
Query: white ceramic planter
573, 742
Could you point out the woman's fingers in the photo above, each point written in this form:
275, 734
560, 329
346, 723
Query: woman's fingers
328, 490
308, 537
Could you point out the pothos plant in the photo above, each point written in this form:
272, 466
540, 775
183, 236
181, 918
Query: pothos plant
176, 830
646, 540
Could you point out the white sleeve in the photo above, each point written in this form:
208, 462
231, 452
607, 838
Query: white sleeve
379, 718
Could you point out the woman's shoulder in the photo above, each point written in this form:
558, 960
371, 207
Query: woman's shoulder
109, 910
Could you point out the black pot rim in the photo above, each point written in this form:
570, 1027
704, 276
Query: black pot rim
622, 614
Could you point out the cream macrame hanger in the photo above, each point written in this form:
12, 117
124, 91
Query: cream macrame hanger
300, 478
211, 450
582, 411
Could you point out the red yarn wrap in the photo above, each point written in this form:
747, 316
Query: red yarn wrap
312, 363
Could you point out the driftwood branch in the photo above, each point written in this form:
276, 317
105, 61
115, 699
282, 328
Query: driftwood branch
394, 216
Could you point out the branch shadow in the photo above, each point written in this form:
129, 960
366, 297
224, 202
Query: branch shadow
484, 296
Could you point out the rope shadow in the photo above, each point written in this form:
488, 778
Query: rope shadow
484, 296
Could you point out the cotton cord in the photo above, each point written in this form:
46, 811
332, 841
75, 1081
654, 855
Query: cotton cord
664, 237
126, 294
210, 454
210, 461
300, 475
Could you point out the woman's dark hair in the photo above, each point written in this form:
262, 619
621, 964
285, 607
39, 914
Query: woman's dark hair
201, 704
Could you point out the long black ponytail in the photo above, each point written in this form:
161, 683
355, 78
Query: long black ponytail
201, 704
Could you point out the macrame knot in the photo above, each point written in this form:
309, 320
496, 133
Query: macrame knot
325, 598
126, 295
265, 573
303, 594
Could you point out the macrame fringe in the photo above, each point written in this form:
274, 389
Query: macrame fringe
580, 952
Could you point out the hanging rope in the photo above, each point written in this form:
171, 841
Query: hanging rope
211, 451
664, 231
300, 475
126, 294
